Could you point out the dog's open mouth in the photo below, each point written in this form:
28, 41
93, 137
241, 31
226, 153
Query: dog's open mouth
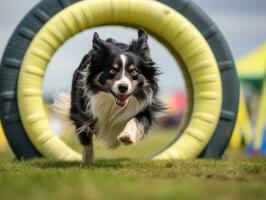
121, 100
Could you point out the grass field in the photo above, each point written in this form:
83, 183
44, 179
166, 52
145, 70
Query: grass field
120, 175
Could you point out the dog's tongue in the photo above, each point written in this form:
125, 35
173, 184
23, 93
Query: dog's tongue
121, 98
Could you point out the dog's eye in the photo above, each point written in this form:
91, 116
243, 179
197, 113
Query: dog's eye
112, 71
134, 73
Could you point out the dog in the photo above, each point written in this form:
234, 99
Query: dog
114, 94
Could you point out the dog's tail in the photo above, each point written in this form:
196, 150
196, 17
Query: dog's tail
61, 106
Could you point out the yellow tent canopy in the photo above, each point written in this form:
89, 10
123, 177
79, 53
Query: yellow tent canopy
253, 66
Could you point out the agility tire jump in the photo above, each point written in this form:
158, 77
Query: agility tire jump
191, 36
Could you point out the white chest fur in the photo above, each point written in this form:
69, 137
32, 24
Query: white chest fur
112, 119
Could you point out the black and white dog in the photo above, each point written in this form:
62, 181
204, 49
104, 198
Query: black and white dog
114, 94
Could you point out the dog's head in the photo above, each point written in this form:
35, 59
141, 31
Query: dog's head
123, 69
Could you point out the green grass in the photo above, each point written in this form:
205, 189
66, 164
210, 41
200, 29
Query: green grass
132, 179
120, 175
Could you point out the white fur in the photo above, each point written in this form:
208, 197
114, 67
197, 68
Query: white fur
112, 119
61, 105
124, 79
133, 130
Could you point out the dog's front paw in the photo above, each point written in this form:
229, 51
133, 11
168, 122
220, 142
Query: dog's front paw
126, 138
132, 133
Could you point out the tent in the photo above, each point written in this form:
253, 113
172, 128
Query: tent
252, 71
252, 68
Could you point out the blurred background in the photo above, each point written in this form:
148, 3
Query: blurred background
241, 21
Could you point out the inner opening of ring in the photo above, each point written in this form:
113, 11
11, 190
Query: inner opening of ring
173, 91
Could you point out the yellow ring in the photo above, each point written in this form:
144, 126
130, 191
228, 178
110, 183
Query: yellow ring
167, 24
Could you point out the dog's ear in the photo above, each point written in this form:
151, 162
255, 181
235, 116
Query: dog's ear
98, 44
100, 50
140, 46
142, 35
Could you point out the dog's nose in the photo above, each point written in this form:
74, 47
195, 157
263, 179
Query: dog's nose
122, 88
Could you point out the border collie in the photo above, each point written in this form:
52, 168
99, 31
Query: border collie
114, 94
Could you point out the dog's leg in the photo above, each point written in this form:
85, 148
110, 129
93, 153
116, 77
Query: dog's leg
88, 154
137, 128
132, 133
86, 139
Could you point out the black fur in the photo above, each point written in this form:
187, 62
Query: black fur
91, 76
